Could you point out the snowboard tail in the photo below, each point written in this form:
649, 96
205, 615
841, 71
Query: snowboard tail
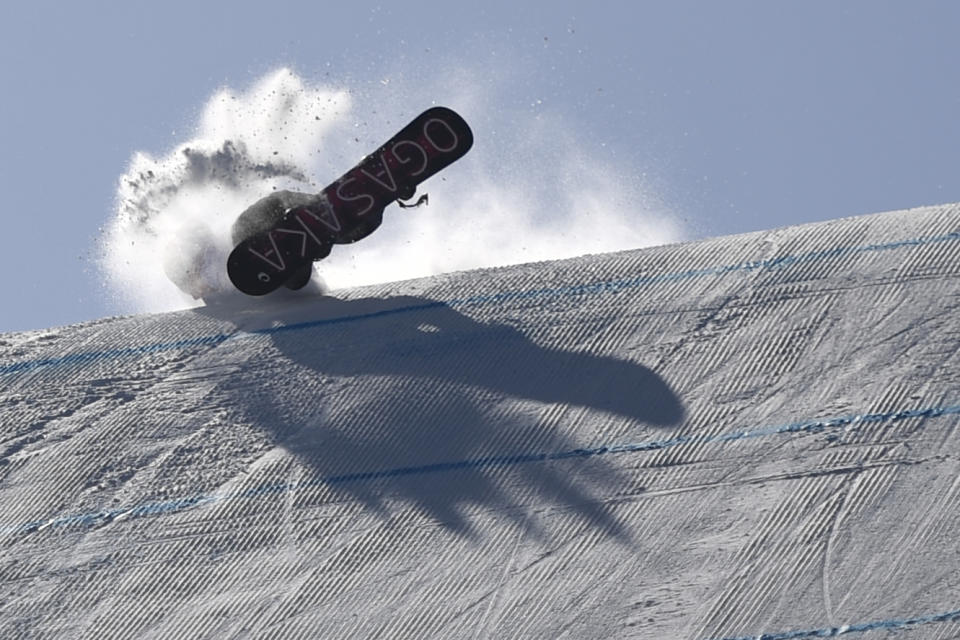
352, 207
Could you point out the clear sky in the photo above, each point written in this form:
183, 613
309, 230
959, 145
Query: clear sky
739, 116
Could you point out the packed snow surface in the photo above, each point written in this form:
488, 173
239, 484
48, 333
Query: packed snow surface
724, 439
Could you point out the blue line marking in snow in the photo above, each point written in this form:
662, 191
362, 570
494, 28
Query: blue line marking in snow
112, 354
832, 632
156, 508
594, 288
783, 261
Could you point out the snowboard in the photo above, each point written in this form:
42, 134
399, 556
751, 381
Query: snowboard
353, 205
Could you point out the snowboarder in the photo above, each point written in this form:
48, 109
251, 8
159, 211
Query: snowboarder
266, 213
278, 238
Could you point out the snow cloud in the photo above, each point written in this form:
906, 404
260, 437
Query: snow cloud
529, 190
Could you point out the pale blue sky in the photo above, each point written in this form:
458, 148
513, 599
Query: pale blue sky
746, 115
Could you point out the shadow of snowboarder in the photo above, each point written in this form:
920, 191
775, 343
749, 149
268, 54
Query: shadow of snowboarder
408, 397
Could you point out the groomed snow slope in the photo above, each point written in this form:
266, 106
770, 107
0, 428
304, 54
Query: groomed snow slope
745, 435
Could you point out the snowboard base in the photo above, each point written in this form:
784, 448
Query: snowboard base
352, 207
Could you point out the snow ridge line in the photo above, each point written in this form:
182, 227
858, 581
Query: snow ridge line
593, 288
488, 462
832, 632
614, 286
213, 340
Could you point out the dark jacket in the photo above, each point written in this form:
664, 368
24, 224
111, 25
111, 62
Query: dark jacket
267, 212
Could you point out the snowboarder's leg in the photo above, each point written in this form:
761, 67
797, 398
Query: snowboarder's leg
300, 277
266, 213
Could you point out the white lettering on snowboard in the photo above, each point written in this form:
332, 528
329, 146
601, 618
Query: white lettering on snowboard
362, 196
363, 184
280, 264
426, 134
364, 187
323, 214
423, 155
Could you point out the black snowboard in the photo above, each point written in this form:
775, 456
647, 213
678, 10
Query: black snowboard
351, 207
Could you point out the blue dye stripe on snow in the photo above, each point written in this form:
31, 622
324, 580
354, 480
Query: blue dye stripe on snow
112, 354
893, 624
485, 463
593, 288
780, 262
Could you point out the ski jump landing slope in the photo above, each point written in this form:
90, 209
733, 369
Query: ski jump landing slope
741, 436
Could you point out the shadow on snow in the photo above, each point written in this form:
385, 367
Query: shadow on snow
445, 412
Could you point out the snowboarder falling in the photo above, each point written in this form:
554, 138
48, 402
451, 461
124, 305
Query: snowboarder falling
267, 213
279, 237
